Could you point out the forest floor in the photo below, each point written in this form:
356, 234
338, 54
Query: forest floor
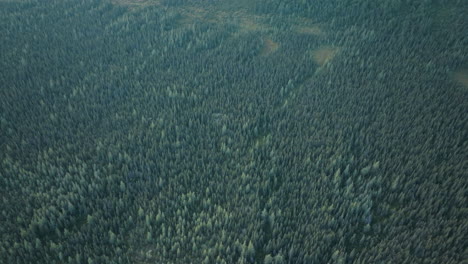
135, 4
461, 76
240, 14
269, 46
310, 29
324, 54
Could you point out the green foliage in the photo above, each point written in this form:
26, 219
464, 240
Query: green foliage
266, 131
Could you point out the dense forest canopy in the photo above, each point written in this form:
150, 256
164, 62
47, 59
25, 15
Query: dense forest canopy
216, 131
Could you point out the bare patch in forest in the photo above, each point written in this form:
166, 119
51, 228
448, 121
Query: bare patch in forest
442, 16
191, 15
311, 30
461, 76
134, 4
263, 139
251, 23
269, 46
324, 54
238, 14
246, 22
445, 17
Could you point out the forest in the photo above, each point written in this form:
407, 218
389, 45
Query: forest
233, 132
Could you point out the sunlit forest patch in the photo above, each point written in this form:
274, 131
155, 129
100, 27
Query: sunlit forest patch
324, 54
